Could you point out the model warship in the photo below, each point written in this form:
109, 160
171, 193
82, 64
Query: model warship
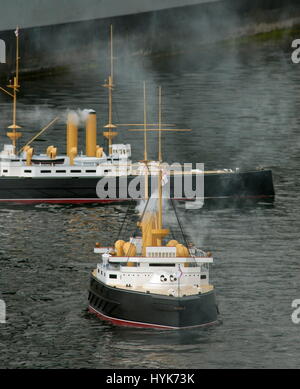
151, 281
26, 177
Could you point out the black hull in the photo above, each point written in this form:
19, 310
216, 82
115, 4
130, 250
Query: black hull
136, 309
243, 185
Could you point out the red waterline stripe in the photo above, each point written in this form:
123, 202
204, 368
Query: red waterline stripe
127, 323
58, 201
97, 200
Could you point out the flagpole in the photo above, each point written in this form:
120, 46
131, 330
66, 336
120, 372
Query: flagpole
17, 54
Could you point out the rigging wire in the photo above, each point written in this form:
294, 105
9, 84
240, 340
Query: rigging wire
142, 217
180, 226
123, 222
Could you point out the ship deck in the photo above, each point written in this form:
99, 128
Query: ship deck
176, 291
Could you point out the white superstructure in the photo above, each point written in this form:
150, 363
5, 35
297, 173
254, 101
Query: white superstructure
17, 165
161, 271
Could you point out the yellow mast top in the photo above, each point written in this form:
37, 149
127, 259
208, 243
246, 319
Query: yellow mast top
109, 135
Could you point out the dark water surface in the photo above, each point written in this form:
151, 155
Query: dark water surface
243, 104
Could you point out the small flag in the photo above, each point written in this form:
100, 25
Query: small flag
17, 31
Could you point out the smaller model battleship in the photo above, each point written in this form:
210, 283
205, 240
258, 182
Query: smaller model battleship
152, 281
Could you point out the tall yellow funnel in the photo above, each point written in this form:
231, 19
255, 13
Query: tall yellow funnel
91, 134
72, 133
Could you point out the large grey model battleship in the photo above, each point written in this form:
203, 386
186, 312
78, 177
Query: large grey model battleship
26, 177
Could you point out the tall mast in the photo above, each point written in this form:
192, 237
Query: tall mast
159, 212
145, 146
145, 126
109, 135
159, 219
159, 125
152, 225
111, 53
159, 166
14, 135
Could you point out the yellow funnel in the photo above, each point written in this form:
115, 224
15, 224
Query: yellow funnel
72, 134
119, 247
91, 134
29, 153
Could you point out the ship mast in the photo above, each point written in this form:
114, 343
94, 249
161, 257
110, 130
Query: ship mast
160, 223
145, 126
159, 164
109, 135
145, 146
152, 223
14, 135
159, 126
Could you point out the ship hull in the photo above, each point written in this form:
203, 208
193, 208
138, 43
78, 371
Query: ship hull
241, 185
136, 309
